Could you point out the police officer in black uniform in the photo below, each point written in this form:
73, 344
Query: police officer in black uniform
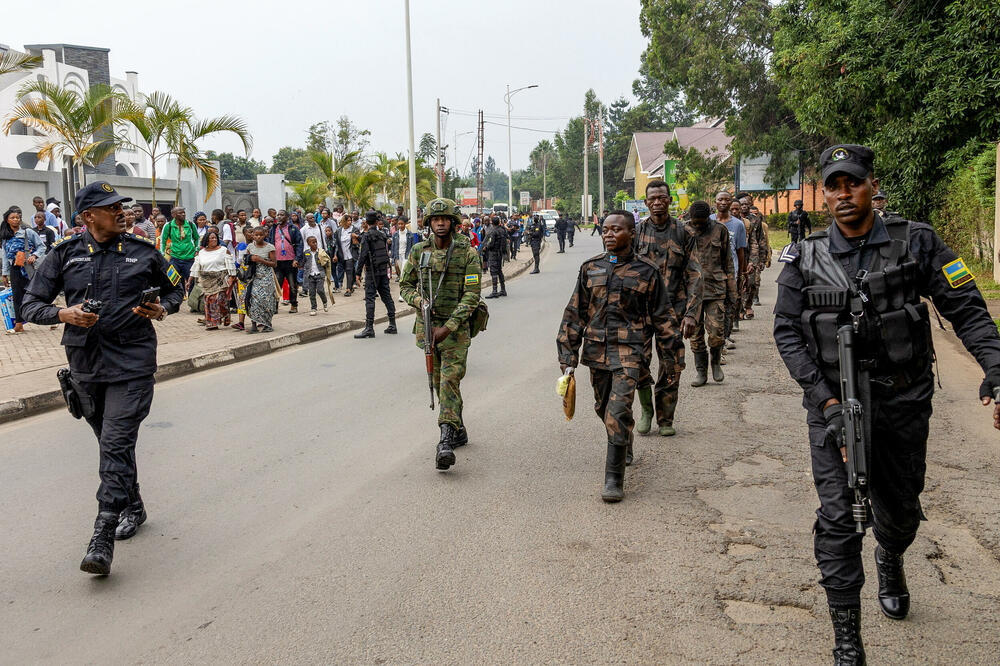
871, 272
374, 258
536, 231
110, 345
562, 225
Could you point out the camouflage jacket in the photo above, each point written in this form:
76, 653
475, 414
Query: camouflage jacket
716, 259
672, 250
459, 292
619, 303
757, 247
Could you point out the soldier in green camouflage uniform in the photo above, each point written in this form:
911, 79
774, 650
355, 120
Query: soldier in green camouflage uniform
719, 290
619, 303
455, 266
664, 241
757, 252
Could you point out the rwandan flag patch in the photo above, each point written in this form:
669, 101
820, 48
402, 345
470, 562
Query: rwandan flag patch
957, 273
472, 279
173, 275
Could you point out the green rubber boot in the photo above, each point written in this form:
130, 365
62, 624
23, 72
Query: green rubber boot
646, 402
667, 431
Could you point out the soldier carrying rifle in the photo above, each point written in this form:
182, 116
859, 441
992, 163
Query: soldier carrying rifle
444, 273
854, 333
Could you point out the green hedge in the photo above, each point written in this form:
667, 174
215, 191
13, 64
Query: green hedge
819, 220
964, 219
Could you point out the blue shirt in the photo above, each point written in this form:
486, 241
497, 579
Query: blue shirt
737, 239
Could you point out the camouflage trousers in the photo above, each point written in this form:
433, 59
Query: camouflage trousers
713, 322
729, 307
450, 357
614, 391
670, 354
742, 289
753, 286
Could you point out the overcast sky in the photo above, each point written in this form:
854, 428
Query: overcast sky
284, 66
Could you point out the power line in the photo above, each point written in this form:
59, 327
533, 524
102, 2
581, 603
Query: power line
503, 116
527, 129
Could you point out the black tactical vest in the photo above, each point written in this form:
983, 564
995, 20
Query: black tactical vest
377, 248
894, 333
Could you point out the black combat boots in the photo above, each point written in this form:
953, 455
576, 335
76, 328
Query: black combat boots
628, 455
614, 474
102, 545
445, 457
494, 293
893, 595
848, 650
701, 368
133, 516
391, 329
717, 373
367, 332
461, 437
503, 287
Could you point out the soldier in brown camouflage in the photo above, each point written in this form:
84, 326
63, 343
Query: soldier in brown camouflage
718, 290
758, 253
619, 304
664, 241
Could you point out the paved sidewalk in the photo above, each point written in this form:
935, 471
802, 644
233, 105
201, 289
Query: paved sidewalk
29, 360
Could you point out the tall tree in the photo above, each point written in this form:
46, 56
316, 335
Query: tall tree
917, 81
295, 163
427, 149
349, 138
318, 137
237, 167
718, 52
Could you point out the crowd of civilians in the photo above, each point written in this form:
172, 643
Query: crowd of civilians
238, 262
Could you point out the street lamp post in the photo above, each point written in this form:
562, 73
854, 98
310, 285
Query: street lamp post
510, 159
409, 99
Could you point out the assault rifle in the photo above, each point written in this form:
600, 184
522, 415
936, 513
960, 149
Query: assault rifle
426, 306
854, 432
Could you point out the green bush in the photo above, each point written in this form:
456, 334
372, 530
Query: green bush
964, 220
819, 220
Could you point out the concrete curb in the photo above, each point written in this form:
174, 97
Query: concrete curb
17, 408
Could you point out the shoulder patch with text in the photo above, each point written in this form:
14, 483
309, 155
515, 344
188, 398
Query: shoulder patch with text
472, 279
957, 273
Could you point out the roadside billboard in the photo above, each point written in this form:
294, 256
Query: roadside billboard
751, 174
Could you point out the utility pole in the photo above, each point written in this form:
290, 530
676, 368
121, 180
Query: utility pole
438, 172
481, 141
409, 99
586, 187
600, 163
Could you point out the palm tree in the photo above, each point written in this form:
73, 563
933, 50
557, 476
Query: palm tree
540, 157
14, 61
357, 187
158, 116
309, 195
183, 139
325, 163
80, 126
386, 167
425, 182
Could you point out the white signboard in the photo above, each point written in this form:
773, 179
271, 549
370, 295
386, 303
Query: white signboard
525, 199
750, 175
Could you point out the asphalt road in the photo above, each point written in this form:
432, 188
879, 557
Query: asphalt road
296, 517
